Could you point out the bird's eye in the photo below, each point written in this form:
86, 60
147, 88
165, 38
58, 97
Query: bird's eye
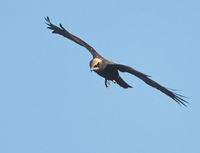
97, 65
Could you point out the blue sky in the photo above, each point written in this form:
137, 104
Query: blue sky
51, 102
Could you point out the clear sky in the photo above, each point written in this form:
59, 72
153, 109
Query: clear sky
50, 102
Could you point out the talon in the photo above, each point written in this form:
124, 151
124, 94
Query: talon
114, 81
107, 84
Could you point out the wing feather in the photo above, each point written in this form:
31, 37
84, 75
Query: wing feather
62, 31
178, 98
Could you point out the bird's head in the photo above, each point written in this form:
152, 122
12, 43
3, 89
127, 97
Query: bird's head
95, 64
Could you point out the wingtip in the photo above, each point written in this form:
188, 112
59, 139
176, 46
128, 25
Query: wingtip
181, 101
47, 18
62, 27
48, 21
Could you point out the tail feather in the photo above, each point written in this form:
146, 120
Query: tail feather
122, 83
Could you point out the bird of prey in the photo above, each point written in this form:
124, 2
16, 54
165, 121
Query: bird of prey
110, 70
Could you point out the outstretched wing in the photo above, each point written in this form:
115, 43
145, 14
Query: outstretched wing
178, 98
62, 31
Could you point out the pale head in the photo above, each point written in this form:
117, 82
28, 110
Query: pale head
95, 64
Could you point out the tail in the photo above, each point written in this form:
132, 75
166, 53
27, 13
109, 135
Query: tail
122, 83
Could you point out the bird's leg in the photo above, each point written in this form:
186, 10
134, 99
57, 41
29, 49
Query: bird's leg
114, 81
107, 83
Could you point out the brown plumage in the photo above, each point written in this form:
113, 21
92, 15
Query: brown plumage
109, 70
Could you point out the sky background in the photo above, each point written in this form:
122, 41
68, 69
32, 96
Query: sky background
50, 102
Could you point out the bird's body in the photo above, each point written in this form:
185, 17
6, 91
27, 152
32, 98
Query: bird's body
110, 70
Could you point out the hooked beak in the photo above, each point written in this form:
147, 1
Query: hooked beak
91, 69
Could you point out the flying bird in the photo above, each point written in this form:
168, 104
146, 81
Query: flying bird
110, 70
